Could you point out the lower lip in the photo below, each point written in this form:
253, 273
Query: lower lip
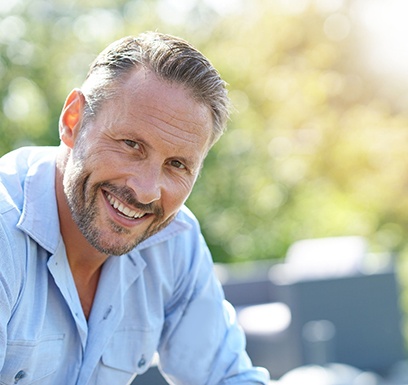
121, 219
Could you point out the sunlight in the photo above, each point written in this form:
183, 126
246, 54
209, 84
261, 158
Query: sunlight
384, 30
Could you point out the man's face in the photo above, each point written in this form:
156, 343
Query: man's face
134, 165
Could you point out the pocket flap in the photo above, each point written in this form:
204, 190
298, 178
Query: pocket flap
31, 360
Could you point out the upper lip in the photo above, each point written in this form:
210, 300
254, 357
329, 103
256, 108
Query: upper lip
122, 208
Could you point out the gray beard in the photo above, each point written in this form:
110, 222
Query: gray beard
84, 213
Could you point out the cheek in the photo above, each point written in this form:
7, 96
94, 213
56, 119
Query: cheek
103, 165
176, 194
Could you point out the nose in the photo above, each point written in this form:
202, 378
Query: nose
146, 185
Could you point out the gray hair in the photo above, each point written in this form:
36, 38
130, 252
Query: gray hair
171, 59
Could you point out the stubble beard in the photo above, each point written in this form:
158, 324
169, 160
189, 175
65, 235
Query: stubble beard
82, 202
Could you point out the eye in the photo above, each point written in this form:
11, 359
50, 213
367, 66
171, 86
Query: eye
178, 164
133, 144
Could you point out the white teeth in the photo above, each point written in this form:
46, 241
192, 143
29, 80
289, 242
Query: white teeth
122, 208
126, 211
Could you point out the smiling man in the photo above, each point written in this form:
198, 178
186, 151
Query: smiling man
101, 263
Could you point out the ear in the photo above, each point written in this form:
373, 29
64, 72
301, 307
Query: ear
71, 117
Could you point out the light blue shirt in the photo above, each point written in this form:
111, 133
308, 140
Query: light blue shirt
162, 296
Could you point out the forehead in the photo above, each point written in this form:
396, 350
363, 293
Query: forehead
144, 101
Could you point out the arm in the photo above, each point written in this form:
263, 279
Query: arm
202, 342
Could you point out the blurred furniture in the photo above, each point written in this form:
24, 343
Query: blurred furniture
339, 306
364, 311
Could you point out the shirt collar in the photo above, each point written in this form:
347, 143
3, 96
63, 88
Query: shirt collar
177, 226
39, 218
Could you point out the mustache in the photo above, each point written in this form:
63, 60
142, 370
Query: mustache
127, 195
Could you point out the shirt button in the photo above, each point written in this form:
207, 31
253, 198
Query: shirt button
21, 374
142, 362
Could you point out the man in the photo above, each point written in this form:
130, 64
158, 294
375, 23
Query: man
133, 140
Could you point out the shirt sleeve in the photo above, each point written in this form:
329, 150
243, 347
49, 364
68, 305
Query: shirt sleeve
201, 341
8, 287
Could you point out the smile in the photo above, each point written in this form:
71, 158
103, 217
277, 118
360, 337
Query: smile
122, 209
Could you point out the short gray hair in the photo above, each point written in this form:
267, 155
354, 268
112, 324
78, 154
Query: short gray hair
171, 59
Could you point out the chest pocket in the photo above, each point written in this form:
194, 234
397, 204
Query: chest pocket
129, 352
30, 362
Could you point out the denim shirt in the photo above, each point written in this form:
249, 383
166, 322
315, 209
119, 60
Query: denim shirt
161, 297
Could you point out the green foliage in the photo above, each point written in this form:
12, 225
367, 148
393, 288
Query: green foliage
313, 149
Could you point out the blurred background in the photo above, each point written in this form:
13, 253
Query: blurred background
317, 143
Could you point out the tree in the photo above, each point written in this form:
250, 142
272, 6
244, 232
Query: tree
313, 148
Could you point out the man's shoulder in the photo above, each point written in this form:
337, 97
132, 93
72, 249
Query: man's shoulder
16, 165
186, 215
24, 157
